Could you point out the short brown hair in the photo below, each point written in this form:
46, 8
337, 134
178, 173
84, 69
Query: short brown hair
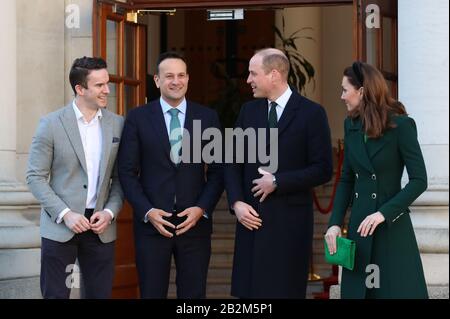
274, 59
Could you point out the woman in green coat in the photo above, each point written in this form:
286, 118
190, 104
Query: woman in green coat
380, 141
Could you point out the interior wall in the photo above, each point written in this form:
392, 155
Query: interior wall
153, 40
329, 53
337, 49
305, 17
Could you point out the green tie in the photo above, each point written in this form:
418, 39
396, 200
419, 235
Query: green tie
273, 118
175, 137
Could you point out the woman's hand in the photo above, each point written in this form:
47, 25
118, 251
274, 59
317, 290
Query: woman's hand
370, 223
330, 238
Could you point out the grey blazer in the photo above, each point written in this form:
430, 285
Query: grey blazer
57, 174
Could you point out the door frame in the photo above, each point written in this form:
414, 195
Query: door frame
134, 5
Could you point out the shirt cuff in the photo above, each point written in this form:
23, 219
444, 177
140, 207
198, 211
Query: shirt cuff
146, 216
61, 215
110, 212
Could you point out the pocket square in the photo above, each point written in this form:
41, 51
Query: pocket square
116, 140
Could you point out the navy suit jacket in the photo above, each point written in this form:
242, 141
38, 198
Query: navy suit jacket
149, 177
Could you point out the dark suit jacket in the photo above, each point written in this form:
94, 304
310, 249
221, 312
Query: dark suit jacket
151, 180
273, 261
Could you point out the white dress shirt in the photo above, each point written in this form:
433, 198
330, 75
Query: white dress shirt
91, 138
166, 107
281, 103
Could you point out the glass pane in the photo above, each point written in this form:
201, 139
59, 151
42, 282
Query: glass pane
129, 98
112, 97
129, 50
111, 46
388, 64
371, 46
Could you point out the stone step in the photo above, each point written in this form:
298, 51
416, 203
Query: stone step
223, 217
224, 228
435, 267
221, 258
19, 263
19, 236
222, 246
222, 235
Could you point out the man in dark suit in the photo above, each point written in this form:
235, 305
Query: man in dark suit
275, 209
72, 172
173, 195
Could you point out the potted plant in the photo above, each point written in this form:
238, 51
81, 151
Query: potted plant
301, 71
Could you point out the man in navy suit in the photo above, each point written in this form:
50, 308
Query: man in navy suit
274, 210
172, 195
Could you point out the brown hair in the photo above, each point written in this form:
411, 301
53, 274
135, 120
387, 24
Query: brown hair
274, 59
377, 105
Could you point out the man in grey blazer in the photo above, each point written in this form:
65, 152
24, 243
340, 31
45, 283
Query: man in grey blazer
72, 173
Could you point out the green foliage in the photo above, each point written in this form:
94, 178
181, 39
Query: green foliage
301, 71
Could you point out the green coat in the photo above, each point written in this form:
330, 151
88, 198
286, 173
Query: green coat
371, 182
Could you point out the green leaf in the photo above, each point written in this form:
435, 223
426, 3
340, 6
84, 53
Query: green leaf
278, 33
300, 30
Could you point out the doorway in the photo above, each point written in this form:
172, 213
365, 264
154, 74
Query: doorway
217, 53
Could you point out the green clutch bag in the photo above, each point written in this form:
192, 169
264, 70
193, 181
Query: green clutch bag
345, 254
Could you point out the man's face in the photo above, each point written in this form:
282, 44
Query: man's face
260, 82
172, 80
96, 93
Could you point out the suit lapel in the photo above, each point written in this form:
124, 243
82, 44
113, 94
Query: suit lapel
188, 143
375, 145
69, 122
159, 125
356, 140
261, 113
286, 117
188, 121
289, 112
107, 135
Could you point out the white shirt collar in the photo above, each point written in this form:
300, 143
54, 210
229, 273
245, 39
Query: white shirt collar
79, 115
284, 98
166, 106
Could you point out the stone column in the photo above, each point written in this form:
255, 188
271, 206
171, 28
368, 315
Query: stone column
32, 63
423, 88
8, 97
18, 232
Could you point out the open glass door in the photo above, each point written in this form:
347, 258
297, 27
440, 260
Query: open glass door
123, 45
376, 37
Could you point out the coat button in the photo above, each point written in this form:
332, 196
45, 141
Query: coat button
356, 195
357, 175
374, 177
84, 186
374, 195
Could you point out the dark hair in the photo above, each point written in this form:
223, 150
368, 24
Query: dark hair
81, 68
377, 105
168, 55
